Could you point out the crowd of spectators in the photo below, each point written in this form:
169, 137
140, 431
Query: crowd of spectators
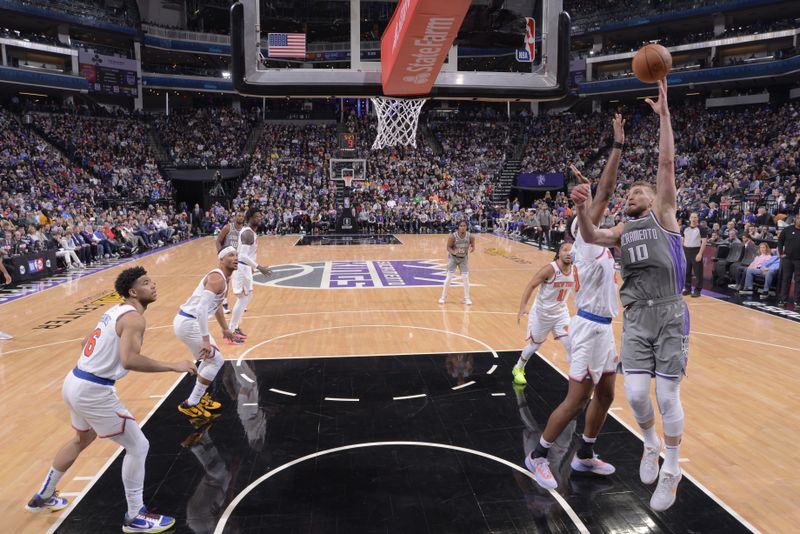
405, 189
114, 149
738, 168
676, 39
50, 202
206, 137
125, 12
589, 15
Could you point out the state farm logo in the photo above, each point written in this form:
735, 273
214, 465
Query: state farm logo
427, 49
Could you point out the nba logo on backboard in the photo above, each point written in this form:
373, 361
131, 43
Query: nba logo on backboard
526, 54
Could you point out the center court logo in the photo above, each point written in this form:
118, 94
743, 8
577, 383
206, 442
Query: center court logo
358, 274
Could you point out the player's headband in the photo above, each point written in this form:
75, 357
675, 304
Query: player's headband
225, 251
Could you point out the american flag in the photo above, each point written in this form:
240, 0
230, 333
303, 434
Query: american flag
286, 45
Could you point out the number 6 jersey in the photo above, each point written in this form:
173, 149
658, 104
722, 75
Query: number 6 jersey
100, 354
653, 265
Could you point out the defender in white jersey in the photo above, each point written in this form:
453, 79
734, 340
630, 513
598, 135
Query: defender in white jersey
191, 327
556, 282
592, 353
459, 244
109, 351
243, 278
229, 237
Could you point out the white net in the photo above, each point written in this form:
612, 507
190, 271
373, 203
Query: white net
397, 120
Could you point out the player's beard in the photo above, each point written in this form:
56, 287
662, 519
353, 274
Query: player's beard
634, 211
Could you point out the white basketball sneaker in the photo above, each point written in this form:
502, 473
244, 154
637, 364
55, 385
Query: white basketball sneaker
592, 465
467, 301
540, 468
442, 300
666, 491
648, 467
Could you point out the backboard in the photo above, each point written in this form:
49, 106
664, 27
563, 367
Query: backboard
330, 48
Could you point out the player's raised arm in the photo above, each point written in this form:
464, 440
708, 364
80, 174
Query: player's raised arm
582, 197
608, 180
538, 279
665, 203
131, 328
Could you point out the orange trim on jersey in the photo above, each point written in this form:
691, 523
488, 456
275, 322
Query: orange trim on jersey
575, 277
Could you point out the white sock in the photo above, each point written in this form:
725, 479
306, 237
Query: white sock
446, 284
588, 440
527, 352
238, 310
197, 392
671, 459
544, 443
650, 437
50, 483
465, 279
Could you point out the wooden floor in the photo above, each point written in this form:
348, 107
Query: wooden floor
741, 397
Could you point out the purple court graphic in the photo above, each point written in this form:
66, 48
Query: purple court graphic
358, 274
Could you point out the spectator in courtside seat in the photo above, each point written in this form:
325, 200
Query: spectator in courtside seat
765, 264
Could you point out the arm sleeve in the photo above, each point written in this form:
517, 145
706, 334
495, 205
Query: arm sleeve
202, 311
244, 255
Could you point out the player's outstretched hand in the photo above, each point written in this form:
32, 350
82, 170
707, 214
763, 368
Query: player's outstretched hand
205, 351
228, 334
581, 192
660, 105
185, 366
619, 128
264, 270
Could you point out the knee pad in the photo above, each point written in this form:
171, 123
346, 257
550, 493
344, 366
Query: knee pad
133, 440
210, 366
637, 389
669, 404
244, 298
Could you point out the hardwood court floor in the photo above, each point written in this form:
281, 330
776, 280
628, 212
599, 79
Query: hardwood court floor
740, 397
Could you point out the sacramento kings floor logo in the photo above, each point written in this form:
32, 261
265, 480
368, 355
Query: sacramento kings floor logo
358, 274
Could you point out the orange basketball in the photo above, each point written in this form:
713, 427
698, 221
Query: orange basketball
651, 63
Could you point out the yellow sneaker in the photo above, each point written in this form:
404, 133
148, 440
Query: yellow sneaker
519, 375
208, 403
193, 411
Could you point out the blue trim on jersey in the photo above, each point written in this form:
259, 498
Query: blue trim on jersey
181, 312
85, 375
595, 318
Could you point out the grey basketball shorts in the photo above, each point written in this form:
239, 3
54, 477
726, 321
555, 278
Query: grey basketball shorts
655, 338
461, 262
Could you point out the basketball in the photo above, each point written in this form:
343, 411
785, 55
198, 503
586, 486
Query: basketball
651, 63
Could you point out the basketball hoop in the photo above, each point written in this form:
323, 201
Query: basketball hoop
397, 121
348, 181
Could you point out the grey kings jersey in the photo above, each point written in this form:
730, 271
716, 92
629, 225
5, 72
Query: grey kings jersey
232, 239
460, 244
653, 266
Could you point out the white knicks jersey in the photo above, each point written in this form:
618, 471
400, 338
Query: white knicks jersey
598, 289
250, 251
551, 299
190, 306
100, 354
